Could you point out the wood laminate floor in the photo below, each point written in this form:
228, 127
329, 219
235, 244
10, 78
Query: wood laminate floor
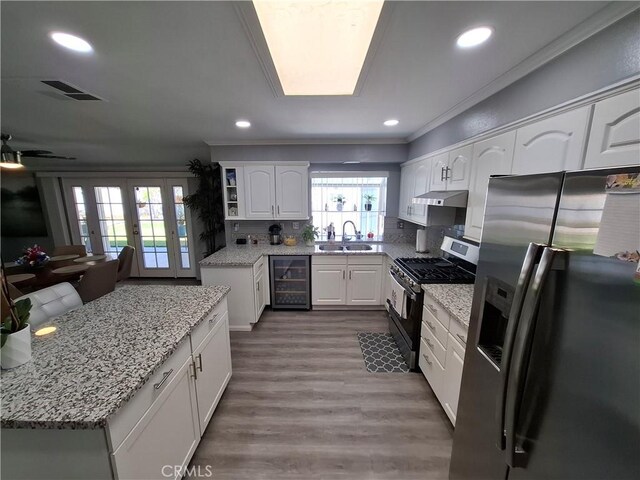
301, 404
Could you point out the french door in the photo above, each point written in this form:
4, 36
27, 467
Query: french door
107, 214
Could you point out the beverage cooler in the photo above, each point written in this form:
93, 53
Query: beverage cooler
290, 282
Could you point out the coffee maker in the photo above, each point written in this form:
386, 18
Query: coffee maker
274, 234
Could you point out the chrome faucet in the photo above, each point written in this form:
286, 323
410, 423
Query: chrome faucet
355, 231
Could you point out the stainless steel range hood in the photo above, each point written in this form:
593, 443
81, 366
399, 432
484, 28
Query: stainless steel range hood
451, 198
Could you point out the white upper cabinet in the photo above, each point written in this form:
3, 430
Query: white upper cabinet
292, 192
406, 191
459, 172
451, 170
615, 132
266, 191
493, 156
260, 195
420, 179
552, 144
439, 165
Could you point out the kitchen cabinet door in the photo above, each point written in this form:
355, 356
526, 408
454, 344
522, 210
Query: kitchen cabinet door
260, 292
552, 144
439, 165
364, 284
259, 188
459, 172
167, 434
212, 360
420, 174
492, 156
406, 191
292, 192
452, 378
329, 284
615, 132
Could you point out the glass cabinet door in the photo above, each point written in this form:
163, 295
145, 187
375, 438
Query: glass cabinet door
290, 282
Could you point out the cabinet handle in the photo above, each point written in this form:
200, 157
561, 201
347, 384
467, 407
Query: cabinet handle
278, 209
446, 173
426, 359
349, 274
165, 376
442, 174
463, 339
195, 371
430, 325
433, 309
343, 274
213, 318
199, 357
429, 343
258, 286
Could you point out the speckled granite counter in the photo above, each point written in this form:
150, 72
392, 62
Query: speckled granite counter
455, 299
101, 355
245, 255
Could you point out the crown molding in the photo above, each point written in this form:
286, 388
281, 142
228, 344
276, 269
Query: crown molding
597, 22
320, 141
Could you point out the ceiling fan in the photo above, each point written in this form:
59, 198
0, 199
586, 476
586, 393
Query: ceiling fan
13, 159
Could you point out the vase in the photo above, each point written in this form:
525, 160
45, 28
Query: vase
367, 207
310, 243
17, 349
339, 206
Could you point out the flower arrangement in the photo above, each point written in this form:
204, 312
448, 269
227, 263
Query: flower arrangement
33, 257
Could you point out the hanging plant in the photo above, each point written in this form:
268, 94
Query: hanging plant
207, 201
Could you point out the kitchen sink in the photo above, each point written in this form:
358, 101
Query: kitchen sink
361, 246
330, 248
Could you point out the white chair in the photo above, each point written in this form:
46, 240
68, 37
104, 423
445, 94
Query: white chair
51, 302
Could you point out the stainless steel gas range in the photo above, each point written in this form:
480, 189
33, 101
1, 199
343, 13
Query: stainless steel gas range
457, 265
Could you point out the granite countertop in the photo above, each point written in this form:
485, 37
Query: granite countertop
101, 354
455, 299
245, 255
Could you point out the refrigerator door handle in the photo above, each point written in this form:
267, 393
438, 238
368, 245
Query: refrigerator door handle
552, 259
531, 259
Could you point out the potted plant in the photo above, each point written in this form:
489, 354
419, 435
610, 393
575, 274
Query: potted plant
309, 235
368, 199
15, 335
340, 201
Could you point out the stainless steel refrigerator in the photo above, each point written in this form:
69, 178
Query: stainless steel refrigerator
551, 381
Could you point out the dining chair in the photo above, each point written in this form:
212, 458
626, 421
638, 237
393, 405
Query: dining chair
80, 250
98, 280
51, 302
126, 261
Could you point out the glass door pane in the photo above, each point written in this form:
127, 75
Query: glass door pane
111, 219
181, 226
290, 282
151, 222
81, 215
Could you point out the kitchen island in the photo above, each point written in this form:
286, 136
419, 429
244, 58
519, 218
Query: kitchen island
125, 386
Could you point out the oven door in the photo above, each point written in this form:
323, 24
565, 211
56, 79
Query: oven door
405, 311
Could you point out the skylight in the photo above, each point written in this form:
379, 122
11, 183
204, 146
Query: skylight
318, 47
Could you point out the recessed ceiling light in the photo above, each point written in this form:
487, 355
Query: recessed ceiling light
71, 42
318, 48
474, 37
351, 161
391, 123
243, 124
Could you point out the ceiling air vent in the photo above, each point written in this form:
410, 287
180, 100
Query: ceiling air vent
70, 91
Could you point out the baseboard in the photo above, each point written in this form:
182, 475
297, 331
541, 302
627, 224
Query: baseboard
354, 308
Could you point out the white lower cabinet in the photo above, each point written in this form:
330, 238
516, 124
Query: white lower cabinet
349, 280
156, 433
249, 290
212, 359
442, 347
167, 434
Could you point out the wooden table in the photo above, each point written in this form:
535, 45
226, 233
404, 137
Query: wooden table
71, 269
91, 259
62, 258
20, 277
